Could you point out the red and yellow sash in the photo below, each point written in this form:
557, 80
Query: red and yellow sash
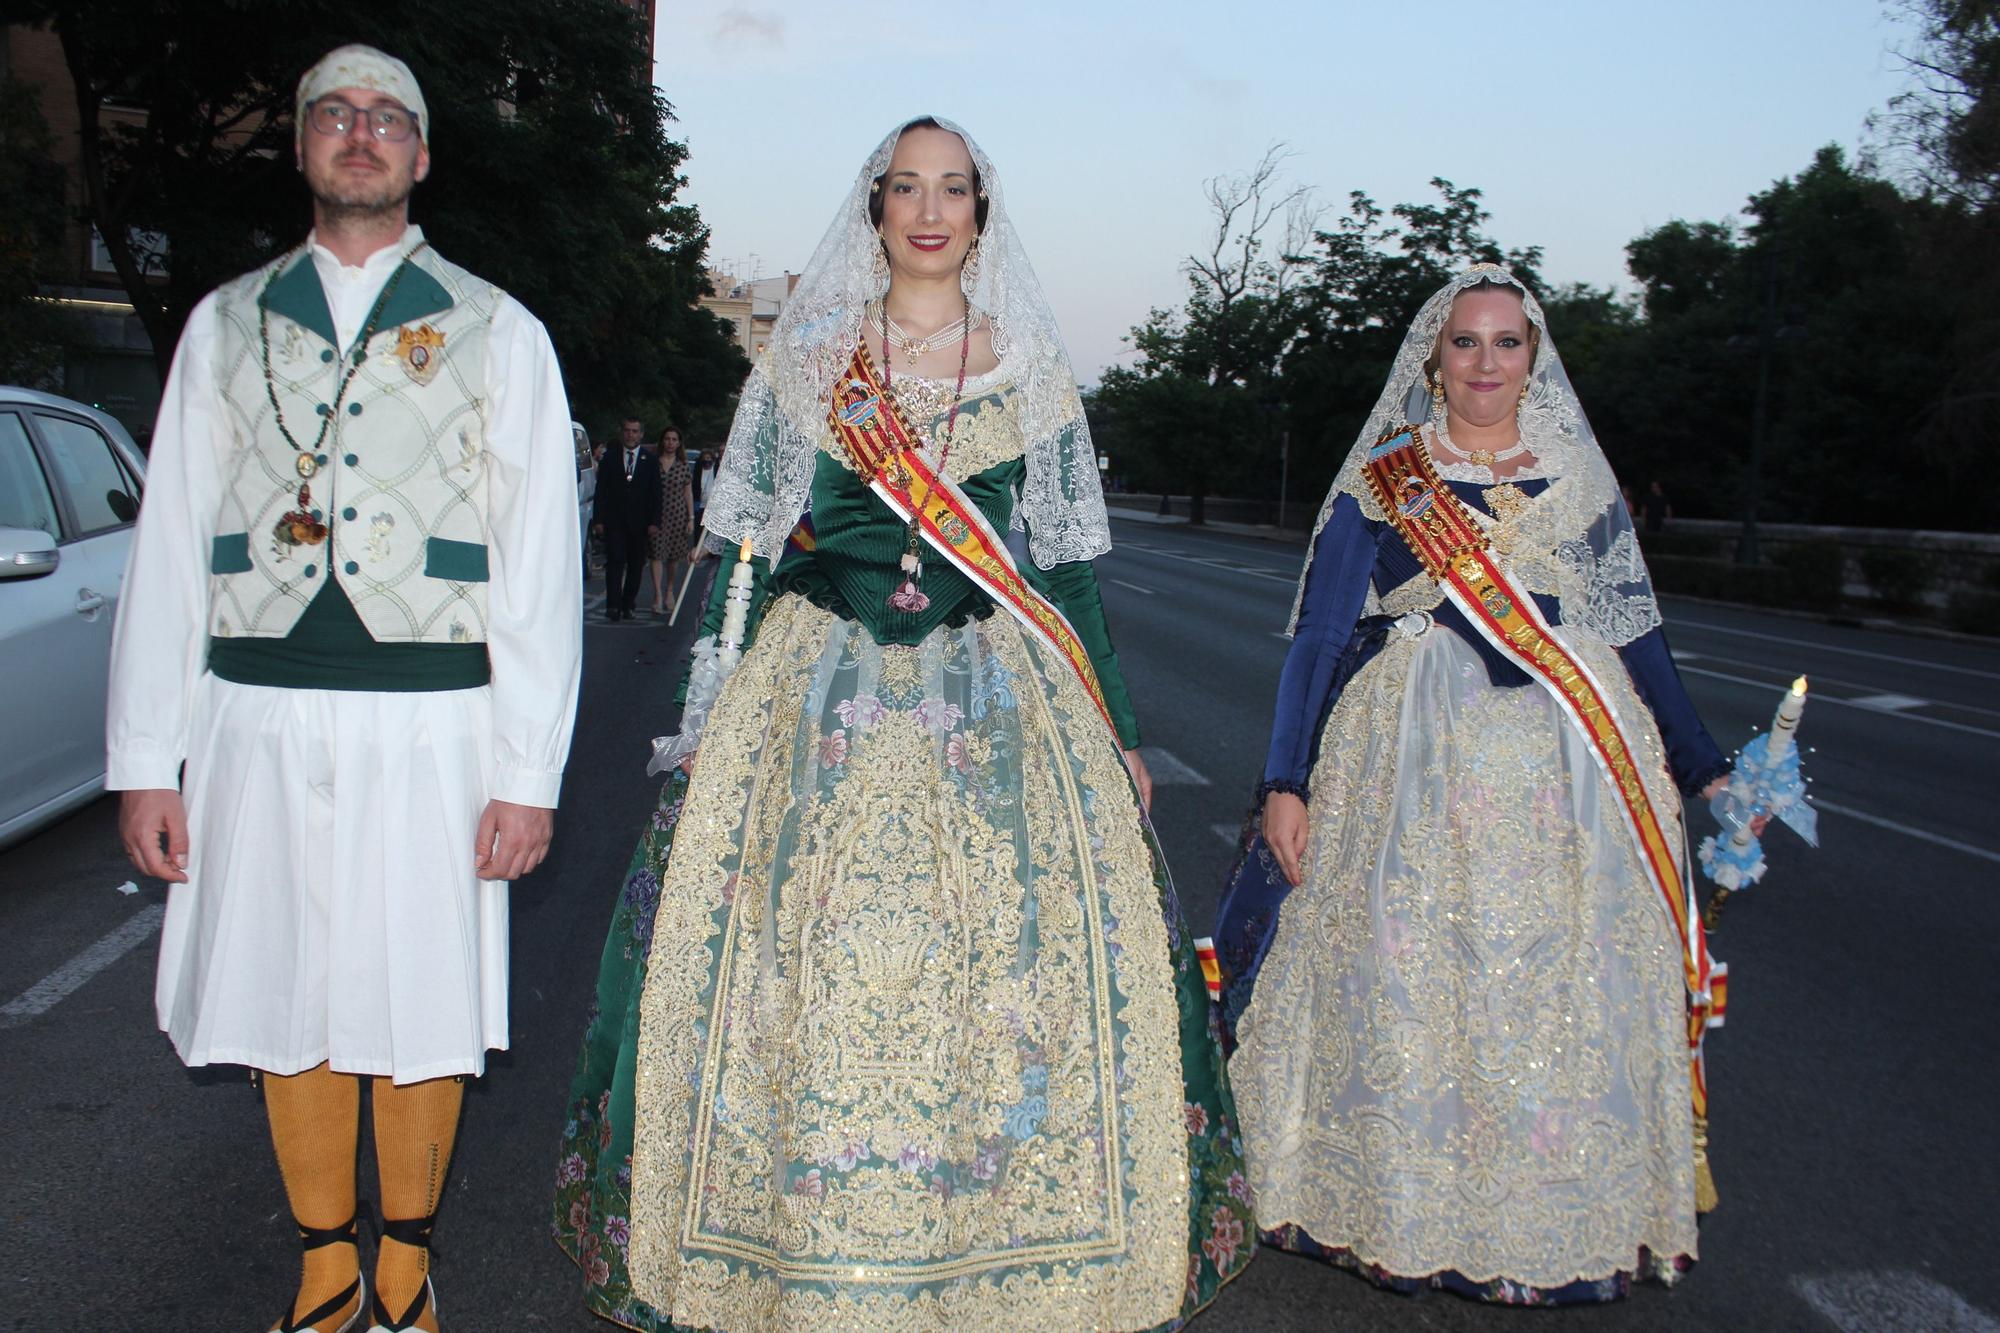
1456, 552
883, 448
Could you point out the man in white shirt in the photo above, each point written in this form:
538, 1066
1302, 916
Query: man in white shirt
354, 612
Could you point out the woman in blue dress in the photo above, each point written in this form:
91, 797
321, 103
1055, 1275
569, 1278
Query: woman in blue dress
1456, 988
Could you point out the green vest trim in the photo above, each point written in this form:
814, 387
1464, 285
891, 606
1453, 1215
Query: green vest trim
463, 562
229, 553
297, 296
330, 649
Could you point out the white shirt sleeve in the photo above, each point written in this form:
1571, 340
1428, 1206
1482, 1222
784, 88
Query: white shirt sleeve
159, 647
534, 634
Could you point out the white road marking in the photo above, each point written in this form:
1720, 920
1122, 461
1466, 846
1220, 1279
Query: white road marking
1849, 703
1280, 634
52, 989
128, 888
1680, 656
1133, 586
1888, 703
1225, 565
1227, 832
1890, 1301
1704, 627
1922, 835
1169, 771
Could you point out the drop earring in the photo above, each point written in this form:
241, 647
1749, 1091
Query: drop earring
968, 271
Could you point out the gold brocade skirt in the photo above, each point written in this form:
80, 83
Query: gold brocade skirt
909, 1048
1466, 1050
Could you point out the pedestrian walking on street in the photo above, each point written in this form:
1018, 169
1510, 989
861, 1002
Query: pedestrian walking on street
361, 634
674, 532
897, 1024
627, 513
1462, 969
1658, 510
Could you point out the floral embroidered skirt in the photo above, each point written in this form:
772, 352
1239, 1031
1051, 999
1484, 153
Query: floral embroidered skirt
898, 1026
1461, 1054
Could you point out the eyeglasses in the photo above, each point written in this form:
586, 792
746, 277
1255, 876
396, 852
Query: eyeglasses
385, 120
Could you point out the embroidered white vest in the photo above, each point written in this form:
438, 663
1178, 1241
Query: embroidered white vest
401, 480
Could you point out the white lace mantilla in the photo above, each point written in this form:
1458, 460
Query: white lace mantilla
766, 475
1575, 540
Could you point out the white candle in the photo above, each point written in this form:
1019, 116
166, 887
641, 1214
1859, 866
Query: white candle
737, 611
1787, 720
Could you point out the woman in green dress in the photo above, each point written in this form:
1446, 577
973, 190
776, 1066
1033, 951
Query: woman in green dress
898, 1024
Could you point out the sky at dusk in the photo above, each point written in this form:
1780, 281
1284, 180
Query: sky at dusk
1583, 123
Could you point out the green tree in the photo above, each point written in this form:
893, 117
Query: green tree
31, 227
1200, 410
554, 174
1370, 274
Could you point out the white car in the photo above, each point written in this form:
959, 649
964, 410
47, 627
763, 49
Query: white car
586, 488
70, 482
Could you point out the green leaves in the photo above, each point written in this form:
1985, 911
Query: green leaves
553, 172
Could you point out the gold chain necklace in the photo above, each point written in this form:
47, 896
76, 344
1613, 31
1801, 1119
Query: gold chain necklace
299, 527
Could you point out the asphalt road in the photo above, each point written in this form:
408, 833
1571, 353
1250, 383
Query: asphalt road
1854, 1085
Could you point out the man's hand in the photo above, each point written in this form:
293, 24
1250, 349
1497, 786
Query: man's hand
1142, 779
512, 839
597, 528
145, 815
1285, 829
652, 530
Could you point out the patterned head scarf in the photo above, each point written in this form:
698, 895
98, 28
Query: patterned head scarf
362, 67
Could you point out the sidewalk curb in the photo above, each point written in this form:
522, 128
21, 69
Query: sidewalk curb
1880, 624
1260, 531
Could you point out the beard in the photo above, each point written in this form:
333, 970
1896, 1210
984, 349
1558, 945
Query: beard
345, 200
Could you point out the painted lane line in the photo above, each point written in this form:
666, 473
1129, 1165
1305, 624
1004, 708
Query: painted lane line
52, 989
1280, 634
1848, 703
1891, 1299
1706, 628
1227, 832
1224, 565
1168, 770
1921, 835
1889, 703
1133, 586
1864, 690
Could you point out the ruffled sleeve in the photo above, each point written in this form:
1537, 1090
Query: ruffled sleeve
1336, 589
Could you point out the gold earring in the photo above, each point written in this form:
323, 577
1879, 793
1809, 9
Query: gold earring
968, 271
1522, 401
1437, 394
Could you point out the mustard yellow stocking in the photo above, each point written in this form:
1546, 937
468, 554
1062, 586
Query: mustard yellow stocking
415, 1126
315, 1119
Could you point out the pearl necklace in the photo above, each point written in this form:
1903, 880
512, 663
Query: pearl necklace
898, 337
1477, 457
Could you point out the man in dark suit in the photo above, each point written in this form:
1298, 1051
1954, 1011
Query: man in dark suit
627, 512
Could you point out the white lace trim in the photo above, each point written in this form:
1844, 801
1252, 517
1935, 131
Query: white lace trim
1575, 540
766, 475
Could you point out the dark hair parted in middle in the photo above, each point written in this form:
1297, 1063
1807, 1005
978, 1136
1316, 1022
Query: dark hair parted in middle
979, 200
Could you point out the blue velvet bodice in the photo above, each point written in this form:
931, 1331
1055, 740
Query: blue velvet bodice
1334, 641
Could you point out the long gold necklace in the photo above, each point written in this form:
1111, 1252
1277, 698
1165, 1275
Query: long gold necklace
907, 596
298, 527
